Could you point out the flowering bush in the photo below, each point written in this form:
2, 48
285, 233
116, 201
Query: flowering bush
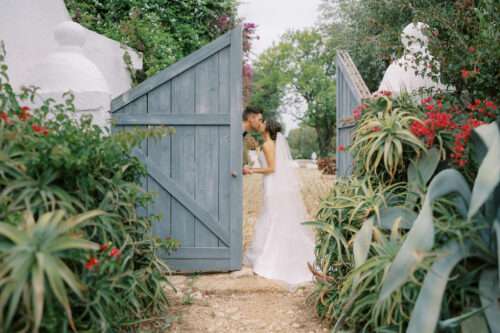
52, 163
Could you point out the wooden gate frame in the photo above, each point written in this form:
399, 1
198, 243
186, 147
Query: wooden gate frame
233, 239
351, 90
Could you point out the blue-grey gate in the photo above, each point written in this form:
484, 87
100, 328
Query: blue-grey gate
195, 172
351, 89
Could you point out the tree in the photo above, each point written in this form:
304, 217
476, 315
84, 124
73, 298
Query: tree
298, 69
303, 141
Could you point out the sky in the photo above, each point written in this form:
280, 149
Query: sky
275, 17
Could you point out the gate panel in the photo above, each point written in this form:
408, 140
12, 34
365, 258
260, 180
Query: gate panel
351, 89
195, 172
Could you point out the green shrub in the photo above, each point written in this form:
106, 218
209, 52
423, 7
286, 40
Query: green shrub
164, 31
51, 162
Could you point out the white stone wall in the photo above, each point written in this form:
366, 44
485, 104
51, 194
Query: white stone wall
27, 28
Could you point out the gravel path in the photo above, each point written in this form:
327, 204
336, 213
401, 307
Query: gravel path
240, 302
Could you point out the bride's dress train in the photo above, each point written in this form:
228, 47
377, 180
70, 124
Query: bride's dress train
281, 246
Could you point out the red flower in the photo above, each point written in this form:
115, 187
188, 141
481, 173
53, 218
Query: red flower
490, 104
25, 115
376, 129
5, 117
115, 253
472, 49
341, 148
91, 263
429, 107
426, 100
465, 74
104, 247
386, 93
40, 129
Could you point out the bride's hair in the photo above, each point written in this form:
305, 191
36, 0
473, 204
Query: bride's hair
273, 127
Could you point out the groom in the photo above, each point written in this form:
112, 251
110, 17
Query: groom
252, 121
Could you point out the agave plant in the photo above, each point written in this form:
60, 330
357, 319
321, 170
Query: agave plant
383, 136
481, 205
33, 257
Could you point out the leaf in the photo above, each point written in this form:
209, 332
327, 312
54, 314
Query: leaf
425, 314
361, 246
12, 233
474, 324
38, 284
489, 292
420, 239
389, 215
488, 175
66, 243
420, 172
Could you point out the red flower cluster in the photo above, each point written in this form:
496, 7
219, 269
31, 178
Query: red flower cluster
341, 148
436, 120
5, 117
24, 114
40, 129
483, 109
91, 263
114, 253
358, 111
461, 140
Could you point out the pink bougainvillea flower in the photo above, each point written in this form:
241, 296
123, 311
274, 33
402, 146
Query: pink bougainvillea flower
341, 148
426, 100
356, 113
429, 107
91, 263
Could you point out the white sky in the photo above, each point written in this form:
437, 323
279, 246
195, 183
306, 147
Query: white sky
275, 17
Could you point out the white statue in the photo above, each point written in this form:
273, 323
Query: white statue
314, 156
401, 76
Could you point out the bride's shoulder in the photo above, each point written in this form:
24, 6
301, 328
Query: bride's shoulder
269, 144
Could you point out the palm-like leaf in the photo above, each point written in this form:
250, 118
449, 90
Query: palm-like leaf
31, 259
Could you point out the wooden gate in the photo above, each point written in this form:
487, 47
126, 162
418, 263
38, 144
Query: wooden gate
195, 172
351, 89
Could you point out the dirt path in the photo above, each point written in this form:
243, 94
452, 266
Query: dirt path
240, 302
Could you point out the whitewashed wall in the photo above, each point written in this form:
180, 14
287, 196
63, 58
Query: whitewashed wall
27, 28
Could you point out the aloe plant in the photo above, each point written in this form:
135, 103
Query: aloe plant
481, 205
33, 258
383, 140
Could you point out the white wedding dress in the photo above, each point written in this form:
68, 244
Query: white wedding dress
281, 246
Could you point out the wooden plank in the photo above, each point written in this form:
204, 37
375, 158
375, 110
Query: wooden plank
223, 140
173, 119
160, 99
183, 174
160, 156
187, 265
236, 107
171, 72
185, 199
200, 253
207, 85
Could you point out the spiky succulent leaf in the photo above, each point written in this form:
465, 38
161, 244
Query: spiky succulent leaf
426, 312
420, 239
489, 291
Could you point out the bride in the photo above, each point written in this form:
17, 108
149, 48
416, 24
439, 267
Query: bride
281, 246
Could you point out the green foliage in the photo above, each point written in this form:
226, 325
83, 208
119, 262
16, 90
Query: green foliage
54, 165
420, 240
296, 66
164, 31
33, 258
303, 142
383, 140
463, 36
